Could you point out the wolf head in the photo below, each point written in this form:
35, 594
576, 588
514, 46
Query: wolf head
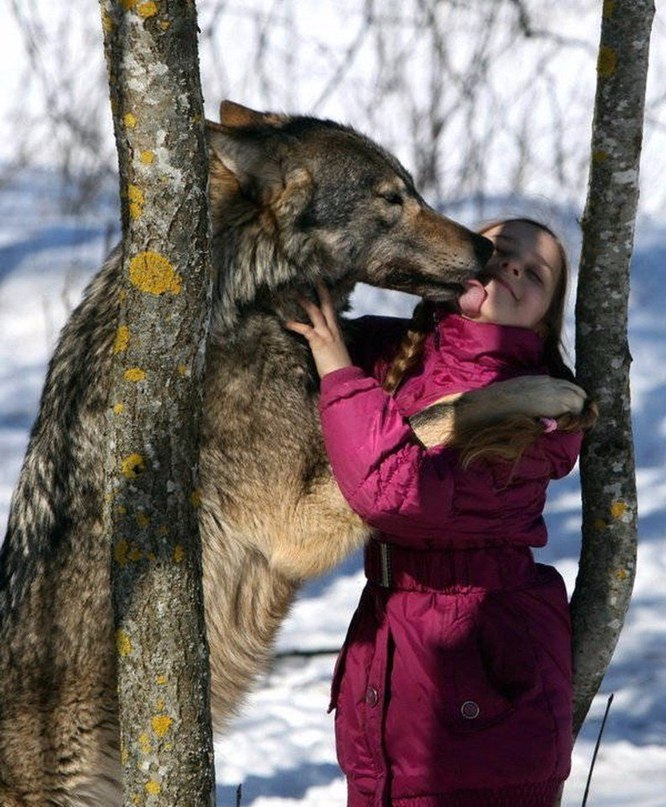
296, 199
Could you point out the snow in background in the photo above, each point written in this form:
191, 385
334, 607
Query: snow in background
282, 55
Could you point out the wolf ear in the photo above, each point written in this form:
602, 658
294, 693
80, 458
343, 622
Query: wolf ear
248, 155
235, 115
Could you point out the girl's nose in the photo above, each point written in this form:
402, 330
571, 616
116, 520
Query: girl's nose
512, 267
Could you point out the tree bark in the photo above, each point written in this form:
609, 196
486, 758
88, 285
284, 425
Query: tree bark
155, 403
608, 558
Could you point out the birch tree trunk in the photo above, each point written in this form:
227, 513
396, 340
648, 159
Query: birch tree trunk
155, 403
608, 557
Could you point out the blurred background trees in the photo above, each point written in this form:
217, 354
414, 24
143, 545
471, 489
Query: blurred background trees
479, 98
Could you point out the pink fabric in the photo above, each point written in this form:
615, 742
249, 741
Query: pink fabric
454, 682
421, 496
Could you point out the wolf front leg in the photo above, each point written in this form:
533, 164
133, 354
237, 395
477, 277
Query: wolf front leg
321, 531
533, 396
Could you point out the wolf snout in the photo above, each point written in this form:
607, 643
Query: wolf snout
483, 248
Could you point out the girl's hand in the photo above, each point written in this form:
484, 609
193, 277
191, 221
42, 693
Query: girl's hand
328, 348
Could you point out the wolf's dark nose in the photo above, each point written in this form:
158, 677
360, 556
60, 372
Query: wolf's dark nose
483, 249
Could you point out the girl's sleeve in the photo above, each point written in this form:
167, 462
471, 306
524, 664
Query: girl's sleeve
387, 477
562, 450
552, 456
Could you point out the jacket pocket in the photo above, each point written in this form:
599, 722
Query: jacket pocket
493, 667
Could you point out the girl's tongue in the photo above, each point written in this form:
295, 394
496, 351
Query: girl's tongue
471, 300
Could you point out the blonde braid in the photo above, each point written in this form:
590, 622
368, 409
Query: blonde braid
411, 348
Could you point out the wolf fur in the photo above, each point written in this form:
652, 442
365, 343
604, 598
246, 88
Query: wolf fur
293, 200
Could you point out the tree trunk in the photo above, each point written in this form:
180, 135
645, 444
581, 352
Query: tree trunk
155, 402
608, 557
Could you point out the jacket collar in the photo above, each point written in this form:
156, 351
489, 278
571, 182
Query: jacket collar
486, 343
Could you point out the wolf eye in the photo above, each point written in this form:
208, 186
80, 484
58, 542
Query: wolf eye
392, 197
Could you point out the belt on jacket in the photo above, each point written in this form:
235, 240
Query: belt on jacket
491, 567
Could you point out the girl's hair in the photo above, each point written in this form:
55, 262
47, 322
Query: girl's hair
510, 438
553, 321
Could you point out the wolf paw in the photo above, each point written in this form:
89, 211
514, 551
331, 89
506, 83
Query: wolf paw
543, 396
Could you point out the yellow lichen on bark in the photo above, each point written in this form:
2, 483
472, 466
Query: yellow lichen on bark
618, 509
161, 724
121, 341
142, 520
134, 374
118, 408
107, 22
148, 9
132, 466
144, 743
136, 201
120, 552
123, 553
147, 157
129, 120
607, 61
178, 553
153, 788
154, 274
123, 643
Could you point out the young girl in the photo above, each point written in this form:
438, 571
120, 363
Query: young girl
453, 688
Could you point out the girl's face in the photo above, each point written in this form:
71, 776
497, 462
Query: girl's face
524, 272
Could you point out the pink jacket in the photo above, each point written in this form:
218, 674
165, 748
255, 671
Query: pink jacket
454, 684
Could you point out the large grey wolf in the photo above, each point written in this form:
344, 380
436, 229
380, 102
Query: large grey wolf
293, 200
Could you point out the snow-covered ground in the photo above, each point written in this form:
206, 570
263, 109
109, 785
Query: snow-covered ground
281, 747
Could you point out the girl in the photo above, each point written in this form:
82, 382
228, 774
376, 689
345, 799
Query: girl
453, 688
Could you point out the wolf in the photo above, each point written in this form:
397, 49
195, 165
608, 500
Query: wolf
294, 200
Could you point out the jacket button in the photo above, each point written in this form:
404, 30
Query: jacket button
470, 710
371, 696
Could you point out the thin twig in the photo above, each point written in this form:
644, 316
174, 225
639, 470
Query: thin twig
324, 651
596, 749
